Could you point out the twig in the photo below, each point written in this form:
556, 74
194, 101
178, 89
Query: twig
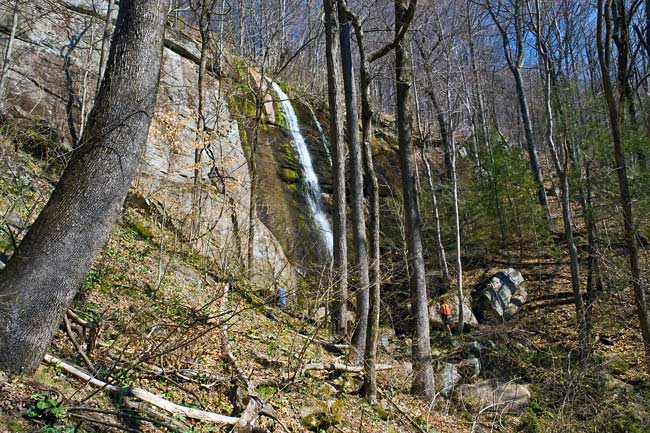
104, 423
76, 345
401, 411
127, 414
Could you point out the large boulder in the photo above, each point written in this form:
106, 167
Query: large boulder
501, 297
452, 300
490, 395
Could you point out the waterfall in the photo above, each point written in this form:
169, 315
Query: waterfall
323, 137
312, 188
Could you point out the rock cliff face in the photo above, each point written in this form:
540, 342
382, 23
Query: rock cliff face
52, 81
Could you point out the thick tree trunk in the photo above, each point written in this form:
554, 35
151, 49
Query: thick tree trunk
423, 371
340, 256
49, 266
356, 179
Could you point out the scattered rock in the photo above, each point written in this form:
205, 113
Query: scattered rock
320, 314
318, 415
501, 297
472, 348
505, 398
448, 377
469, 369
613, 384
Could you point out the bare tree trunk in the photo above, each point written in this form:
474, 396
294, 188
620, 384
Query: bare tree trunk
442, 257
106, 39
370, 373
515, 61
340, 255
7, 60
459, 262
603, 41
49, 266
562, 169
530, 144
356, 179
423, 371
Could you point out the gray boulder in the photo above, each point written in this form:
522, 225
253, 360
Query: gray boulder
505, 398
320, 414
448, 377
320, 314
502, 296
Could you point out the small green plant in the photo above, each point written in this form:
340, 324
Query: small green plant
49, 411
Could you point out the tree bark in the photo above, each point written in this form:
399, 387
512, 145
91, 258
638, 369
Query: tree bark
49, 266
370, 355
356, 180
423, 379
340, 256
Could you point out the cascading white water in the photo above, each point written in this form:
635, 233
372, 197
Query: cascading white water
310, 180
323, 137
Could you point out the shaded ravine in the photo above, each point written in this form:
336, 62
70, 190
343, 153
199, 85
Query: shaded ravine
310, 180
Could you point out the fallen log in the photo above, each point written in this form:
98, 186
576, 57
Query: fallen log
335, 366
144, 395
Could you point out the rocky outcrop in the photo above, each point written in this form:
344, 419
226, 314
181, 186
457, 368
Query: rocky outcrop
501, 297
52, 81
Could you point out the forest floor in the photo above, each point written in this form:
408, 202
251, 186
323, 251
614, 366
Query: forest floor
157, 307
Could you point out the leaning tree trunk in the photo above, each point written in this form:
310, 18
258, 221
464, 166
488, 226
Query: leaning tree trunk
605, 28
340, 265
356, 178
423, 379
49, 266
